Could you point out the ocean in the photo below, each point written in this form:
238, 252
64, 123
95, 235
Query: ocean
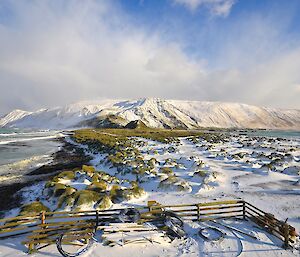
24, 150
274, 133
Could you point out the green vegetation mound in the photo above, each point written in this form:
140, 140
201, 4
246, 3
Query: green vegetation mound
33, 208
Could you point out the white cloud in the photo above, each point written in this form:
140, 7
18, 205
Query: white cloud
54, 59
52, 56
216, 7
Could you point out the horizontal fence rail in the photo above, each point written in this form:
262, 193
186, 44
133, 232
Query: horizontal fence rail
43, 229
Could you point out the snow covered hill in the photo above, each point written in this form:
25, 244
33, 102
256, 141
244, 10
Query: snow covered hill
13, 116
155, 112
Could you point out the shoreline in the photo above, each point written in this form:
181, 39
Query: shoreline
68, 157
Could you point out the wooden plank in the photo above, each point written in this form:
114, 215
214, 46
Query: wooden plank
46, 235
200, 204
256, 209
22, 227
173, 206
68, 212
69, 227
184, 210
188, 215
88, 211
266, 216
14, 224
51, 224
248, 204
221, 203
80, 216
220, 212
220, 207
268, 225
19, 218
221, 217
53, 241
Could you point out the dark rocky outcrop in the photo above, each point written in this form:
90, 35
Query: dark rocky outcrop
69, 157
136, 124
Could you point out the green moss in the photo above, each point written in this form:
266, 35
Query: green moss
166, 170
69, 201
105, 203
33, 208
69, 190
110, 138
49, 184
66, 175
134, 192
100, 186
183, 186
200, 173
86, 197
59, 189
168, 182
134, 184
67, 197
55, 179
96, 177
89, 170
116, 193
174, 183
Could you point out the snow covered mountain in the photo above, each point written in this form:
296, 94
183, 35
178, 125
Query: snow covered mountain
155, 112
13, 116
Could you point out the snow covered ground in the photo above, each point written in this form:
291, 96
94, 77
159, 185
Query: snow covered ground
263, 171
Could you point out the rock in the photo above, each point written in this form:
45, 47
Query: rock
136, 124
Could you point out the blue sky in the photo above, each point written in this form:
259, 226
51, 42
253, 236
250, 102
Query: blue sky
58, 51
201, 33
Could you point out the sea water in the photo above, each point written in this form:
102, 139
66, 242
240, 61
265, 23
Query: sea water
24, 150
274, 133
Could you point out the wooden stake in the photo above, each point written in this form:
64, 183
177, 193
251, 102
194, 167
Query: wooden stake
286, 233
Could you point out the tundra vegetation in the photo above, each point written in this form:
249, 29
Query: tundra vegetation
128, 160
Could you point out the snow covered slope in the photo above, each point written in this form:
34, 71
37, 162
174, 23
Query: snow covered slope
156, 112
13, 116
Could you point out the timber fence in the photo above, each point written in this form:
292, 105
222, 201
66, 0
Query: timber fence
43, 229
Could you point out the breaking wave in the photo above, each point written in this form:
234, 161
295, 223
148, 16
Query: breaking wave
25, 164
14, 140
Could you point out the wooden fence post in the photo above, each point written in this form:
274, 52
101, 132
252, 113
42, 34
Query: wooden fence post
286, 232
244, 210
198, 212
31, 246
43, 216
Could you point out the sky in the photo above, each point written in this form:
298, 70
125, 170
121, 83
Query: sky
54, 52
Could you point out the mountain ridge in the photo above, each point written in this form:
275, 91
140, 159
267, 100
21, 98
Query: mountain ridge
157, 113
